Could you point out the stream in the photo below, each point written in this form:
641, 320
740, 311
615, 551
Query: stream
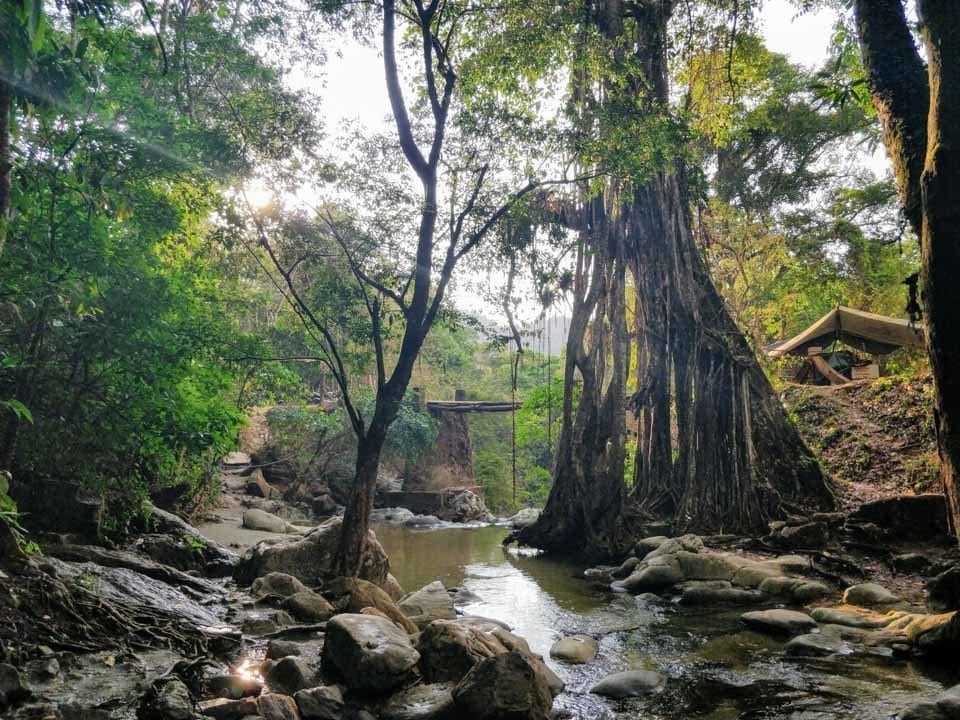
715, 669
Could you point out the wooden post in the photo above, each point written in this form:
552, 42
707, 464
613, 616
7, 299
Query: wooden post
459, 394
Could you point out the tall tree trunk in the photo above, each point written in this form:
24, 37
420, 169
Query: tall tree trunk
919, 109
356, 517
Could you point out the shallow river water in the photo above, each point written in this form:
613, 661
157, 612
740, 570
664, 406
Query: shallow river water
715, 668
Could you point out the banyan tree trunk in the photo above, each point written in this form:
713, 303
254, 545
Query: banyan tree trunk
737, 461
582, 512
716, 451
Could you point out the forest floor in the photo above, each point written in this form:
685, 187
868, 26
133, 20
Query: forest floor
874, 438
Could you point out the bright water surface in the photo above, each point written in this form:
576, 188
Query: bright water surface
715, 669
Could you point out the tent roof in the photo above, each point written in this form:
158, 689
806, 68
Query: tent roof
874, 334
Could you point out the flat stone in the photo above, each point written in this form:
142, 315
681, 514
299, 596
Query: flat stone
815, 645
320, 703
653, 577
172, 702
255, 519
575, 650
779, 622
869, 595
354, 594
631, 683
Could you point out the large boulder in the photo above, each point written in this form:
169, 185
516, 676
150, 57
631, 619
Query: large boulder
312, 558
652, 576
449, 650
504, 687
906, 517
429, 603
809, 535
524, 518
943, 639
714, 592
258, 486
463, 506
368, 652
354, 595
944, 707
289, 675
274, 706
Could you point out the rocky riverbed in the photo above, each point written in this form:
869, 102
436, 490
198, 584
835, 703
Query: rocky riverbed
177, 625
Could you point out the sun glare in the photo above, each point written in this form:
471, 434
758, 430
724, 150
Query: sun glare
258, 194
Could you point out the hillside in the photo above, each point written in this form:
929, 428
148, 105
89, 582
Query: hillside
875, 438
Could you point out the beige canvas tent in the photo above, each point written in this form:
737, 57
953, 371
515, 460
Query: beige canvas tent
869, 333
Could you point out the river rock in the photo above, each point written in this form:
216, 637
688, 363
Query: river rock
369, 653
779, 622
420, 702
690, 543
391, 516
265, 623
797, 589
276, 583
233, 687
277, 649
910, 562
463, 506
172, 701
290, 674
274, 706
869, 595
320, 703
631, 683
224, 709
312, 558
393, 588
944, 707
354, 594
710, 592
524, 518
504, 687
944, 589
575, 650
815, 645
429, 603
308, 606
255, 519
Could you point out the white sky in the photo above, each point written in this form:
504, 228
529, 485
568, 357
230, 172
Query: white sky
352, 89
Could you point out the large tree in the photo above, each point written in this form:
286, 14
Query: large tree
918, 104
735, 461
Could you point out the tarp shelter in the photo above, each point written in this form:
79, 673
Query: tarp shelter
869, 333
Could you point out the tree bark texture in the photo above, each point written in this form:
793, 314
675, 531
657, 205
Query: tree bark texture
6, 158
919, 111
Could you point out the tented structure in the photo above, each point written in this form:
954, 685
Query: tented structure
869, 333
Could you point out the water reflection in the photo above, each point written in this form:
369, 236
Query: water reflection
715, 668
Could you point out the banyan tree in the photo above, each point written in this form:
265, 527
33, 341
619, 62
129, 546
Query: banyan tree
715, 449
